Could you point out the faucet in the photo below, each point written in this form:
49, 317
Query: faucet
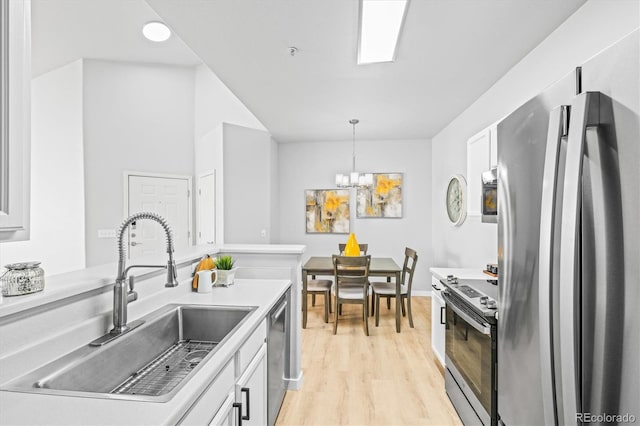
122, 297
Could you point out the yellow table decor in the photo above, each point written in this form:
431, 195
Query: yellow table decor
352, 248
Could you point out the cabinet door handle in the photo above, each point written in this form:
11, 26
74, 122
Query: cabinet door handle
238, 405
442, 318
248, 392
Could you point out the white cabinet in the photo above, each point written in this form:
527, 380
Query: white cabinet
15, 127
493, 146
251, 390
239, 389
206, 407
438, 325
482, 154
227, 413
478, 158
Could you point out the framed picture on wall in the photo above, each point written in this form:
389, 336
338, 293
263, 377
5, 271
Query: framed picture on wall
383, 199
327, 211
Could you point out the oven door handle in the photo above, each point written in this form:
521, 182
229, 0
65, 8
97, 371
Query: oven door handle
482, 328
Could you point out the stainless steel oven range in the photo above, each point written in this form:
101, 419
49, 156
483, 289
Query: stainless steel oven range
470, 349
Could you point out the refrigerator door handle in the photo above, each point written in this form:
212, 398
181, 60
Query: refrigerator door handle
584, 113
548, 216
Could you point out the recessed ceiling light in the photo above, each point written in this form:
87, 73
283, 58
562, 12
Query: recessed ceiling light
156, 31
380, 25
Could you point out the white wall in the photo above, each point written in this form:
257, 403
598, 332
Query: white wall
596, 25
57, 185
216, 106
247, 185
314, 166
137, 117
274, 235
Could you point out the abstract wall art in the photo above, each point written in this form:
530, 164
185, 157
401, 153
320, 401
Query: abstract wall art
383, 199
327, 211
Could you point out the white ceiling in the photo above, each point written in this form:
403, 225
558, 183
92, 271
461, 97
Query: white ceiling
451, 51
66, 30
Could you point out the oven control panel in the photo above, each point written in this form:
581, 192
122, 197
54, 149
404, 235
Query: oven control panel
479, 294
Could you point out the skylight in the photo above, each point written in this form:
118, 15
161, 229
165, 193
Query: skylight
380, 25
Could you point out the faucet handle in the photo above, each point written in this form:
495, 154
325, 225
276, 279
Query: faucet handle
132, 295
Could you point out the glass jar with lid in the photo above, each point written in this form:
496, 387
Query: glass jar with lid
22, 278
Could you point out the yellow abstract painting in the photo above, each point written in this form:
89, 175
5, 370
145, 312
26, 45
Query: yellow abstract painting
327, 211
383, 199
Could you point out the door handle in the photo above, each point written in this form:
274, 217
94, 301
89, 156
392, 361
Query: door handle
585, 113
483, 328
549, 215
442, 317
275, 317
247, 391
133, 243
238, 406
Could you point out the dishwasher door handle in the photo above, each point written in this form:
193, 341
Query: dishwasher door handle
274, 317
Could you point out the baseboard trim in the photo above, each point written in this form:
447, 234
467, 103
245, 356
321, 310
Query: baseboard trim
436, 361
295, 384
426, 293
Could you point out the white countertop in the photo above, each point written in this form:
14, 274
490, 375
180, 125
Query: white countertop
461, 273
102, 277
30, 409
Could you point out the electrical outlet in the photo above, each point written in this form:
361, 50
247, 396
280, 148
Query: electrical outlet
263, 233
106, 233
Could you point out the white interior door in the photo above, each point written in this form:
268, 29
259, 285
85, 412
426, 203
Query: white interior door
166, 196
206, 218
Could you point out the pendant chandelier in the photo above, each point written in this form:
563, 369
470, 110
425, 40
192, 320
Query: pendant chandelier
354, 179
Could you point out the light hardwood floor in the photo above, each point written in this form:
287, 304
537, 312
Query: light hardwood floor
384, 379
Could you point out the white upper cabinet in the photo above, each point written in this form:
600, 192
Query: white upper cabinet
482, 154
15, 133
493, 146
478, 159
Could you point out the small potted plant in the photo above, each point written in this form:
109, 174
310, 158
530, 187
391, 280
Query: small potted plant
226, 270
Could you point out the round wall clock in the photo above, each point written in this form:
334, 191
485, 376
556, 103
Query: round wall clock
456, 203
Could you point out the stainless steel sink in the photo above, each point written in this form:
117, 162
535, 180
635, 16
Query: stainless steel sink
150, 363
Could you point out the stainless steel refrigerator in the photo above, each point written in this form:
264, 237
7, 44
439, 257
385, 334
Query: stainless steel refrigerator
569, 248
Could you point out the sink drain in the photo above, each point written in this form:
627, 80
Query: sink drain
194, 358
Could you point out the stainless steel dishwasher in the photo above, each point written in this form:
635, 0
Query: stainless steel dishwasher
277, 356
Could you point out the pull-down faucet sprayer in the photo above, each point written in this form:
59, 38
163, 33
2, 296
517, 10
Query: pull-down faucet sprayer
121, 297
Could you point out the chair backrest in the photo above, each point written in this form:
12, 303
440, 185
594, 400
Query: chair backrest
363, 248
409, 267
351, 271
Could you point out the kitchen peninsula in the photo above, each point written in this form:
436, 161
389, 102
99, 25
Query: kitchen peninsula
76, 307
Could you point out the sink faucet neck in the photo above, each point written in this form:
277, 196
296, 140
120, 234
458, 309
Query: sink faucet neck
121, 297
123, 227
